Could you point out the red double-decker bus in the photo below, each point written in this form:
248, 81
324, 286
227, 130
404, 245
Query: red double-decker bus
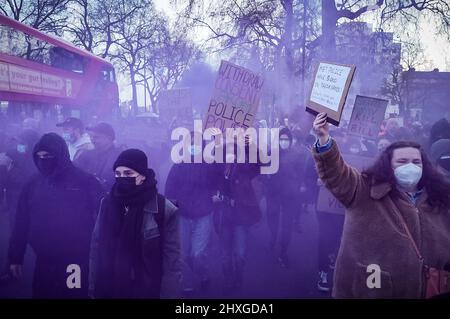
44, 73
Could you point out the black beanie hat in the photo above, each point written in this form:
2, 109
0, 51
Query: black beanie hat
134, 159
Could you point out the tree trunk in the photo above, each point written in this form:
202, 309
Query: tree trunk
134, 106
305, 17
329, 21
289, 59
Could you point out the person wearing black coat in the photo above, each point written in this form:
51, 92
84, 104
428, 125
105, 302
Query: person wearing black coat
237, 209
135, 247
55, 216
193, 185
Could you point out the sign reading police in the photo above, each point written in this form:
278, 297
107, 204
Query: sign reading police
235, 98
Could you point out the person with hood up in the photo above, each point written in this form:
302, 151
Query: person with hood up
135, 248
55, 215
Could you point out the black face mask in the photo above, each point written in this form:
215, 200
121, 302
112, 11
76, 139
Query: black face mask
126, 185
445, 164
46, 166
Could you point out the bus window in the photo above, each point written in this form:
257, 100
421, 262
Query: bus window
19, 44
63, 59
108, 75
22, 45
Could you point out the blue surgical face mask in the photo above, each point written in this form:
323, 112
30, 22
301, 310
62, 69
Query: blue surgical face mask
66, 137
21, 148
284, 144
408, 175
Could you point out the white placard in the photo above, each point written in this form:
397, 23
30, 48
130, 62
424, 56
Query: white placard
329, 85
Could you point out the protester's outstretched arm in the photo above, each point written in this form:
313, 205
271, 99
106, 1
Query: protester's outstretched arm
343, 181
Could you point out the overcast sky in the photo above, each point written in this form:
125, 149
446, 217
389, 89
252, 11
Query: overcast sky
436, 48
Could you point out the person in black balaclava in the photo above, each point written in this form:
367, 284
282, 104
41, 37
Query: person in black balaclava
55, 215
135, 248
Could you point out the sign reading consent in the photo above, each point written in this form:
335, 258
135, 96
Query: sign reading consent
235, 98
367, 115
329, 90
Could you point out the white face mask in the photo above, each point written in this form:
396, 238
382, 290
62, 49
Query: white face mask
408, 175
284, 145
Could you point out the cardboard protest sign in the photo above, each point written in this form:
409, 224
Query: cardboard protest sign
175, 103
367, 115
329, 90
326, 202
235, 99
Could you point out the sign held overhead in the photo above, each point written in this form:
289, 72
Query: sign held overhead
329, 90
367, 116
235, 99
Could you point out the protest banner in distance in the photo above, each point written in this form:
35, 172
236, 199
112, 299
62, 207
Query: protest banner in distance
367, 115
329, 90
235, 99
326, 202
175, 104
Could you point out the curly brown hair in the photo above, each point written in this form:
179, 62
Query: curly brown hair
438, 189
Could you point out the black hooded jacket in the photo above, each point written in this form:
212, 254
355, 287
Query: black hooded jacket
55, 215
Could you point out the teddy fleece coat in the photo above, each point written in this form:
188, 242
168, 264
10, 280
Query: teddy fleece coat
374, 235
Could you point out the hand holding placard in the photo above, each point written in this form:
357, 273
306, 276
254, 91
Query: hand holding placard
321, 128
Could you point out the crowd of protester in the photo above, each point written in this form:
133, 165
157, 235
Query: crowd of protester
142, 226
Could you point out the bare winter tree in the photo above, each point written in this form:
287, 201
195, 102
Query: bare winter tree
165, 63
45, 15
93, 23
413, 55
274, 37
132, 37
403, 11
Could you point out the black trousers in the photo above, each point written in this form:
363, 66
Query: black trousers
280, 218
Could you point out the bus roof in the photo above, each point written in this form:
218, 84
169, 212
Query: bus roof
52, 39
